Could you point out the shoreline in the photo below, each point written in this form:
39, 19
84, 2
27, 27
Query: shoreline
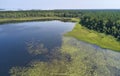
92, 37
79, 32
28, 19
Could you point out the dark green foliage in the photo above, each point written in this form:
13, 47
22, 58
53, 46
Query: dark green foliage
40, 13
107, 22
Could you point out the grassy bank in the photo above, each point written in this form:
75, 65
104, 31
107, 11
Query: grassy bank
90, 36
14, 20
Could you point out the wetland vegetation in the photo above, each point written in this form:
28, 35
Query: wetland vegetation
73, 58
91, 36
60, 48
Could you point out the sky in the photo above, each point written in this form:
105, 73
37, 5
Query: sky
59, 4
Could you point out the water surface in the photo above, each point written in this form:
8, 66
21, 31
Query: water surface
14, 36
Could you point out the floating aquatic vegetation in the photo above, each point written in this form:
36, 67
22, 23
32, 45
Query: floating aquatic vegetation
73, 58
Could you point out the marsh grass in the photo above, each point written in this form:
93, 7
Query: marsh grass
90, 36
26, 19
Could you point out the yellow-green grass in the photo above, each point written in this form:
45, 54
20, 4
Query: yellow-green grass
9, 20
90, 36
75, 19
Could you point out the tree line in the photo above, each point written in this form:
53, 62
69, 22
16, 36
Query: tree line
105, 21
40, 13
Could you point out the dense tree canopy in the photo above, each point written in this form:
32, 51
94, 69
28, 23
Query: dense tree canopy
107, 22
40, 13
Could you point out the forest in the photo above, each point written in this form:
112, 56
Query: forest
40, 13
107, 22
103, 21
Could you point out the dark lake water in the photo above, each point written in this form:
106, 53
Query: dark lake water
15, 36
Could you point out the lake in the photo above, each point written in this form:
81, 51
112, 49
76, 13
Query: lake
14, 38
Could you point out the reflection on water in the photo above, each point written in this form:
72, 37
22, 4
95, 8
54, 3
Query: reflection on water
73, 58
14, 36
